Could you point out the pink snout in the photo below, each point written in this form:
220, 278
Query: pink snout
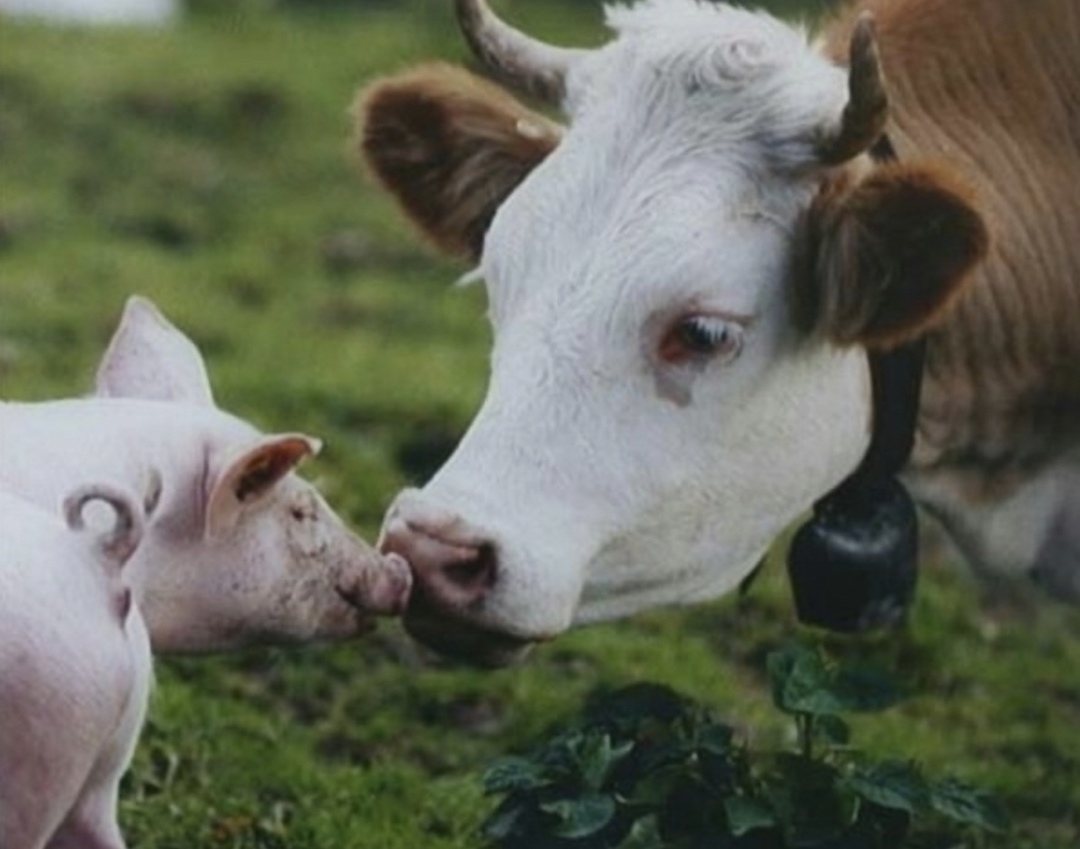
382, 588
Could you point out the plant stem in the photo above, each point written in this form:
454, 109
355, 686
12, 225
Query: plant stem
804, 725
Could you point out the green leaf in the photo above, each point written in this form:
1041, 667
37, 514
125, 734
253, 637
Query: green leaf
801, 683
745, 814
644, 834
716, 739
832, 731
503, 821
656, 786
968, 805
596, 757
581, 817
891, 784
512, 774
629, 708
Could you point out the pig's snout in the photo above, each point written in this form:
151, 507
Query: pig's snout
382, 587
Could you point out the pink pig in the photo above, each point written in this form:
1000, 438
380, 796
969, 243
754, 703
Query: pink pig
238, 549
74, 671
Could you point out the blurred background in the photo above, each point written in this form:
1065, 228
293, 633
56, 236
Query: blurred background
205, 162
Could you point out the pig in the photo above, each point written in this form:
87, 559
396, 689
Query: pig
75, 669
238, 549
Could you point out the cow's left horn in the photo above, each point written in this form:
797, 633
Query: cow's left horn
863, 120
522, 61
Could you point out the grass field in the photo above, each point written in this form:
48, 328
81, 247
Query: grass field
207, 167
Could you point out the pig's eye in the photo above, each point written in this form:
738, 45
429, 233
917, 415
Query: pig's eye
301, 514
700, 337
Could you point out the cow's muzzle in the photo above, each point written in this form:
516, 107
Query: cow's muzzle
455, 569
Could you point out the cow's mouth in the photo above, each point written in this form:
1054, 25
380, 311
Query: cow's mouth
463, 641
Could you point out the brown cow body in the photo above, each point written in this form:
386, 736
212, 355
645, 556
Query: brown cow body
992, 87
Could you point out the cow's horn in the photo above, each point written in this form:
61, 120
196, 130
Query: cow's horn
522, 61
863, 119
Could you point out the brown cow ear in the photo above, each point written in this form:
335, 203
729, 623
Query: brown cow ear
450, 147
890, 253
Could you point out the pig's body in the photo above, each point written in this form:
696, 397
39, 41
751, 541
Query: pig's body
74, 677
238, 548
232, 548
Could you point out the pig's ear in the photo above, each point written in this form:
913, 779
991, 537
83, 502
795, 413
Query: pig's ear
148, 358
249, 476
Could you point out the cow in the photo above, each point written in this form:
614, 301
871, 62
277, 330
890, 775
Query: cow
687, 283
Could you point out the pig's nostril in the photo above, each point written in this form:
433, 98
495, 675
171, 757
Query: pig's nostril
477, 575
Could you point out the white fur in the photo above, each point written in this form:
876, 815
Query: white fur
212, 571
1032, 531
608, 481
75, 675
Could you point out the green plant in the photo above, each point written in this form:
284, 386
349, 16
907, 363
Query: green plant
645, 768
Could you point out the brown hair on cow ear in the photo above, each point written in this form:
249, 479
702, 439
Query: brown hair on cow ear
889, 253
450, 147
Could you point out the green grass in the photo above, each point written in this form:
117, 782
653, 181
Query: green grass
207, 167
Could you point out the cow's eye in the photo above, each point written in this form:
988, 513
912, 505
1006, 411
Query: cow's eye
700, 337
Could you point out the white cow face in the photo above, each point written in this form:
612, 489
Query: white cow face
682, 287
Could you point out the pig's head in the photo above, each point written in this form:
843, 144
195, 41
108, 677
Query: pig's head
684, 283
238, 548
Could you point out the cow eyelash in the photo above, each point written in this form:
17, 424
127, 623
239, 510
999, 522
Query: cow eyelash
700, 337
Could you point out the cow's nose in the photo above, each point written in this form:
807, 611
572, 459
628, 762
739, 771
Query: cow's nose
454, 565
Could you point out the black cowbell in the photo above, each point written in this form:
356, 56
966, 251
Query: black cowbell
854, 565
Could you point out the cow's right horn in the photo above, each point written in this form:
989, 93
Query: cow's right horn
521, 61
863, 119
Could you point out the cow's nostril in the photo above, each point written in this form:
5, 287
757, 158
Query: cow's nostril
477, 575
454, 565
